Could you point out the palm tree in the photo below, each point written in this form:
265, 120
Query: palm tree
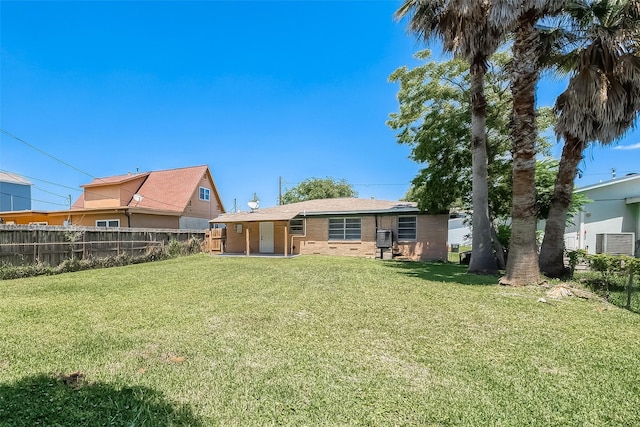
600, 103
521, 18
462, 26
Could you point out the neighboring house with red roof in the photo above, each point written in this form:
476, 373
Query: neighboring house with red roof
183, 198
343, 226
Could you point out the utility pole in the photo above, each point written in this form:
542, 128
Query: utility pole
280, 190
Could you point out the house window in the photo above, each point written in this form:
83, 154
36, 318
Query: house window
205, 194
109, 223
345, 228
407, 228
296, 226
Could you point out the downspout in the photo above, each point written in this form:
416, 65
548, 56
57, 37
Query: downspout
128, 214
581, 239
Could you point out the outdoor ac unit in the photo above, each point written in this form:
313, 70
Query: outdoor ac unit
384, 239
615, 243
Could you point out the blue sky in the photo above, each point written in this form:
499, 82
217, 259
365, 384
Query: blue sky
257, 90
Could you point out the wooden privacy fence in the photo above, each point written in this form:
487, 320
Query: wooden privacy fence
214, 240
30, 244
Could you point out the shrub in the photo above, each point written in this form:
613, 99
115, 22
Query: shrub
175, 248
190, 247
157, 253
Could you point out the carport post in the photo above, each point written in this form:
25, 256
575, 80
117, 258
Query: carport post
247, 241
285, 241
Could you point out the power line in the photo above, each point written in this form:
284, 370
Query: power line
45, 153
79, 170
49, 192
43, 180
31, 199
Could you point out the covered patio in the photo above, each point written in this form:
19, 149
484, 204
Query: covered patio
258, 233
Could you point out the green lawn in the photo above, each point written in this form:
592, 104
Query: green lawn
309, 341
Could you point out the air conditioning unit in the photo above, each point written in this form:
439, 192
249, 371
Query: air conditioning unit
384, 239
615, 243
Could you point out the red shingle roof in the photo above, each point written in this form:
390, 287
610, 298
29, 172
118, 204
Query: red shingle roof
167, 190
117, 179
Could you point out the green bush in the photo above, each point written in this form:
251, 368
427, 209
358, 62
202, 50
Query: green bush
174, 248
617, 274
190, 247
74, 264
157, 253
17, 272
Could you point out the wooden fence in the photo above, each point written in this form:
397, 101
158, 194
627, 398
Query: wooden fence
30, 244
214, 240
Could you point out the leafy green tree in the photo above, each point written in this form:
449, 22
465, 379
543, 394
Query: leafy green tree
434, 118
464, 29
318, 188
600, 103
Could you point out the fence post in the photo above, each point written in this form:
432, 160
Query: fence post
629, 290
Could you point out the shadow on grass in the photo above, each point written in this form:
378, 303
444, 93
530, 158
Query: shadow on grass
45, 400
439, 272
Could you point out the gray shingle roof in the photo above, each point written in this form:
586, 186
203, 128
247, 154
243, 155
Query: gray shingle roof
319, 207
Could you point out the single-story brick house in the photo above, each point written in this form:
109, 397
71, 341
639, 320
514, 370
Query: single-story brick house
342, 226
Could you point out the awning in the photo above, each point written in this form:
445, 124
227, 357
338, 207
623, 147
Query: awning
255, 216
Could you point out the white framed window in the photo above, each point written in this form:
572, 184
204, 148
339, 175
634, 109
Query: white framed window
205, 194
108, 223
296, 226
345, 228
407, 228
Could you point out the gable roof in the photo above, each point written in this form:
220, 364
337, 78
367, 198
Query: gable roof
166, 190
117, 179
13, 178
169, 189
338, 206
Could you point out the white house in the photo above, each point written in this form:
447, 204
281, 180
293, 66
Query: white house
610, 222
459, 229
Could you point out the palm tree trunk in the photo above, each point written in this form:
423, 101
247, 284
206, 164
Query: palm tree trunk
522, 263
552, 251
482, 259
498, 249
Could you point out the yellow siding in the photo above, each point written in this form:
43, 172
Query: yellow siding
102, 197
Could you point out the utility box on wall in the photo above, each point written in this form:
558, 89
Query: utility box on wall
384, 239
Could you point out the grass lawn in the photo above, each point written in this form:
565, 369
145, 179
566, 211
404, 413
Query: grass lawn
309, 341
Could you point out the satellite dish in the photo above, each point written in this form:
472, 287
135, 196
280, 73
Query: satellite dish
254, 204
138, 198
